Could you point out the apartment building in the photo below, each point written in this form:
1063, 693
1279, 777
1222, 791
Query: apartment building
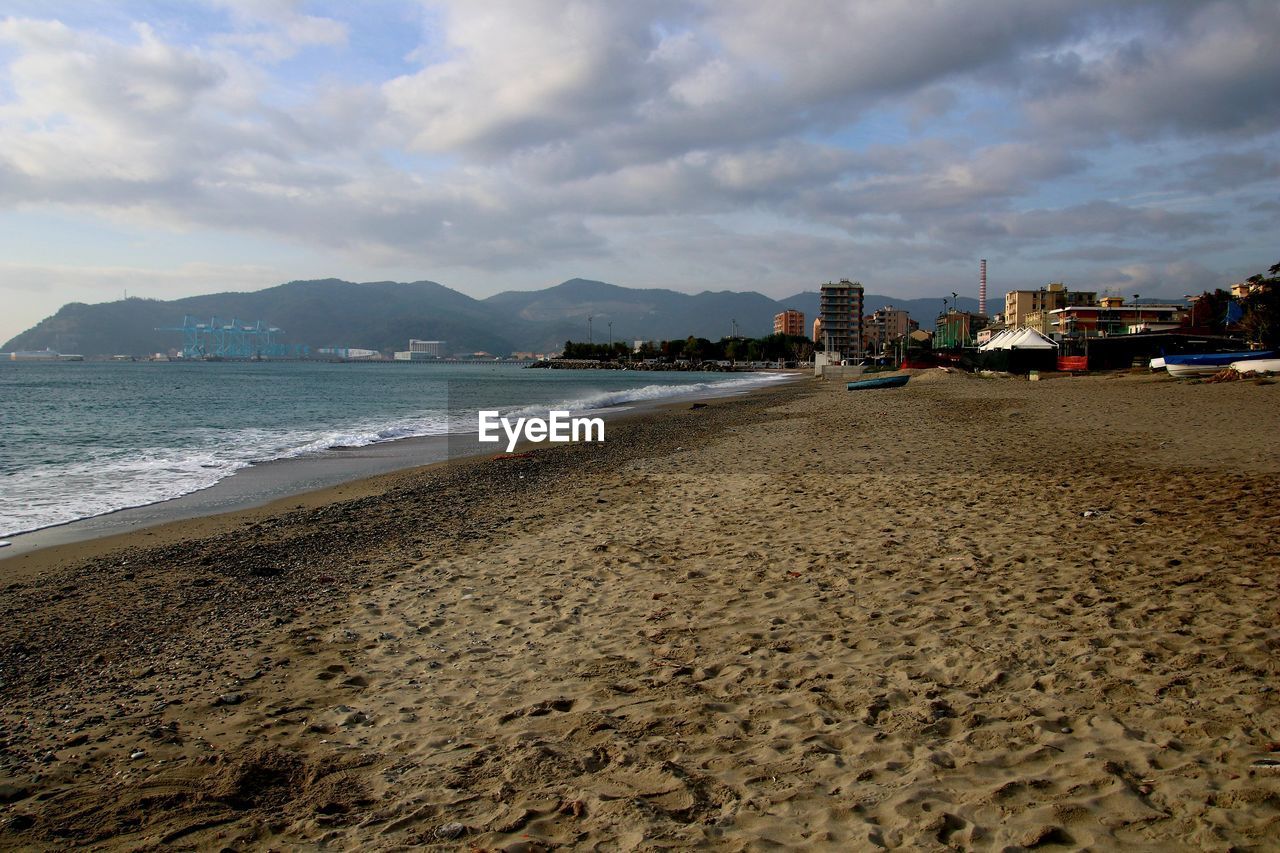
1019, 303
841, 315
789, 322
885, 326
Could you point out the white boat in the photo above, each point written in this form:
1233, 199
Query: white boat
1257, 365
1208, 363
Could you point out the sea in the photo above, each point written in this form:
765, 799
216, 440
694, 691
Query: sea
82, 439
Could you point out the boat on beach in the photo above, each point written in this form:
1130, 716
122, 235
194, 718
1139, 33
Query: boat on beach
878, 382
1209, 363
1257, 365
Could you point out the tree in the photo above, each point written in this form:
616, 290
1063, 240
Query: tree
1261, 321
695, 349
1210, 310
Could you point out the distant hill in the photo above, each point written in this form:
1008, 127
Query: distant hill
384, 315
376, 315
561, 312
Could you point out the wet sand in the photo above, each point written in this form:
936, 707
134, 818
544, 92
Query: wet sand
966, 613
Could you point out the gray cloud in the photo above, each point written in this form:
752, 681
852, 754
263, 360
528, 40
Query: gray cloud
1213, 69
1108, 218
1171, 279
674, 138
1218, 172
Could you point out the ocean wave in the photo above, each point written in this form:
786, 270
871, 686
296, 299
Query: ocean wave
649, 393
49, 495
105, 481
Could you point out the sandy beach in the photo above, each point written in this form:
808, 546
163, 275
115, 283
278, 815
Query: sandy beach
969, 613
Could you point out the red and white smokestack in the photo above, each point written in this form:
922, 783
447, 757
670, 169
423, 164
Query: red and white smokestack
982, 288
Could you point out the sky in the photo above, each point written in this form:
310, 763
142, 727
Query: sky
165, 148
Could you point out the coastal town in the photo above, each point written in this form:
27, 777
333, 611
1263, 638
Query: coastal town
1046, 329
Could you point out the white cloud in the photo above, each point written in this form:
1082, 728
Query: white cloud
274, 30
553, 133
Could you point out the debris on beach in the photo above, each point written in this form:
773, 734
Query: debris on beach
1226, 374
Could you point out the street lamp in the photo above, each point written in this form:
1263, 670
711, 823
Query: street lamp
1193, 302
1136, 297
591, 335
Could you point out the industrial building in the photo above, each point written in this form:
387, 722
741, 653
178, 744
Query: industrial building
422, 351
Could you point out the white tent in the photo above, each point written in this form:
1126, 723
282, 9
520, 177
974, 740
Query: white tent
998, 339
1018, 339
1032, 339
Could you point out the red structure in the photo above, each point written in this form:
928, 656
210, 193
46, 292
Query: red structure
1073, 363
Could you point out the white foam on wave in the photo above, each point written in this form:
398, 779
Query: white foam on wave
48, 495
649, 393
107, 481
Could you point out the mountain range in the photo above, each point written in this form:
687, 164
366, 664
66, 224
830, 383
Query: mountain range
384, 315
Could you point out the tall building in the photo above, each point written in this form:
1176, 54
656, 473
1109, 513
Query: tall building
1019, 303
789, 322
885, 326
841, 310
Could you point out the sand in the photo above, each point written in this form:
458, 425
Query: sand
969, 613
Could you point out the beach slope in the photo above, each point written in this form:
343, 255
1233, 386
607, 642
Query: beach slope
963, 613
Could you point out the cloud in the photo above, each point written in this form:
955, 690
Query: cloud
1107, 218
275, 30
1221, 171
1170, 279
1213, 71
668, 139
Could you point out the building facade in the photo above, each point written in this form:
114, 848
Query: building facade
885, 326
1019, 303
421, 351
841, 315
1113, 317
1039, 320
957, 329
789, 322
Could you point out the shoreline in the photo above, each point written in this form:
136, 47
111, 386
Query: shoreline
323, 476
967, 612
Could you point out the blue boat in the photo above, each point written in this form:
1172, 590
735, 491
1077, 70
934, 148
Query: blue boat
1207, 363
878, 382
